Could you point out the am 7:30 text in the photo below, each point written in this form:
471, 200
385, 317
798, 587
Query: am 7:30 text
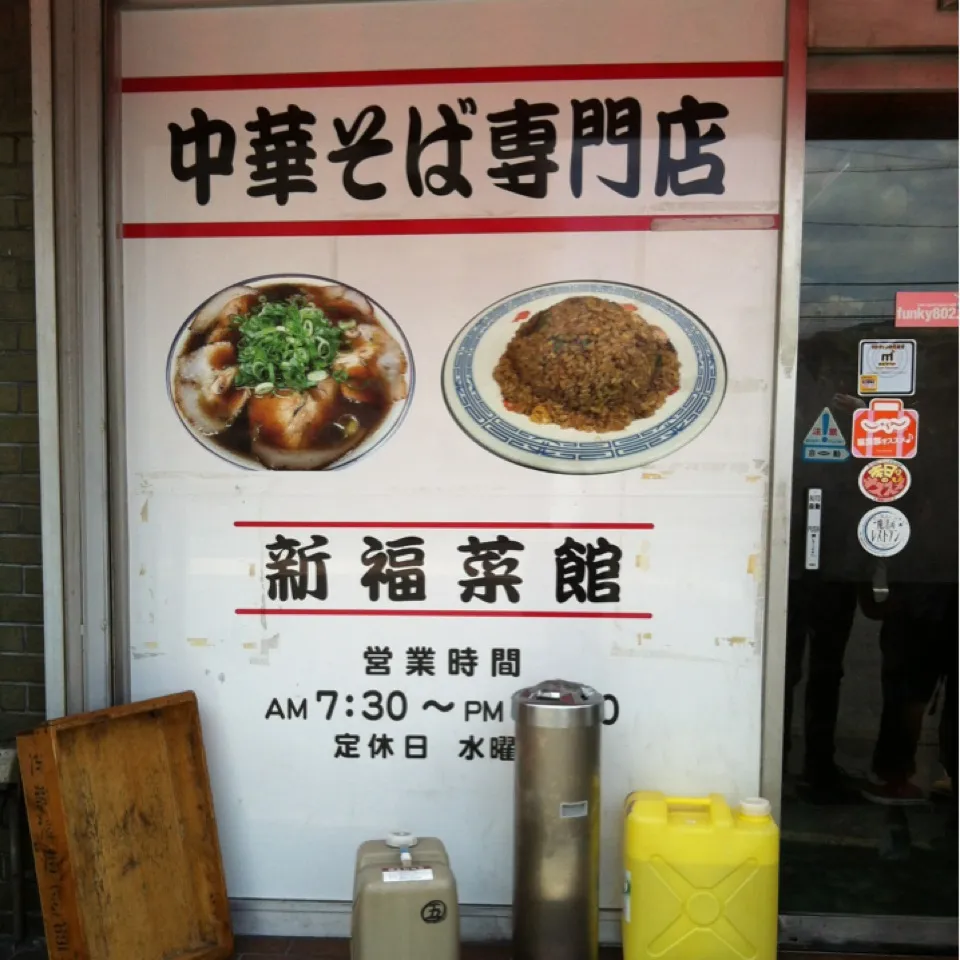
394, 705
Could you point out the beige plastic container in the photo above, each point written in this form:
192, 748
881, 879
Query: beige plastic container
404, 901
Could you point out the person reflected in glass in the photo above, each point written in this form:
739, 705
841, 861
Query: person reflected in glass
918, 634
919, 630
819, 622
918, 645
822, 603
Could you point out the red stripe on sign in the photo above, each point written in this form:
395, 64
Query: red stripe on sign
397, 612
434, 525
453, 75
464, 225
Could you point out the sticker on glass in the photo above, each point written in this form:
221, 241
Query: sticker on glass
885, 431
824, 441
571, 811
883, 531
931, 308
814, 514
884, 481
888, 367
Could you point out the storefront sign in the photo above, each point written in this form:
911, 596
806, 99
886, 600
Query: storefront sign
885, 430
382, 272
884, 481
928, 309
883, 531
824, 443
888, 368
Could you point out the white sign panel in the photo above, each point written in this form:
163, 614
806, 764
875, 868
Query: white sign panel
888, 368
448, 372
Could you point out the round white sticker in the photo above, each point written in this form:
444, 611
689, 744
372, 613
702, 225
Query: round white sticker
883, 531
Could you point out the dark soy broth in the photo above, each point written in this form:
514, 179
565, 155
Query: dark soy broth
237, 439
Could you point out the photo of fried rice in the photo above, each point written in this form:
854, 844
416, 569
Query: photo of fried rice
589, 364
584, 377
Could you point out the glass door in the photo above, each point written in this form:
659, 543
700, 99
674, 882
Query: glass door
870, 752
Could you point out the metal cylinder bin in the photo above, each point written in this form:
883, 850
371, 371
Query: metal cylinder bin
557, 822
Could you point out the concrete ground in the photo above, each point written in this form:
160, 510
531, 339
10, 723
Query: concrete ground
308, 948
305, 948
264, 948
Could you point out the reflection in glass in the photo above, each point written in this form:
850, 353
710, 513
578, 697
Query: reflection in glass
870, 740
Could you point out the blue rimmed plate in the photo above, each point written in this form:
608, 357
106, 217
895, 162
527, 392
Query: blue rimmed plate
475, 402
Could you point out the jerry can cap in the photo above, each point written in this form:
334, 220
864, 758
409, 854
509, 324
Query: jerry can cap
399, 839
755, 807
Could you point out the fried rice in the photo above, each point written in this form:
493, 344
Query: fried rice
589, 364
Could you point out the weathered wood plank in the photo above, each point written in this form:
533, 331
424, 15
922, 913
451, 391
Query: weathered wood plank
125, 835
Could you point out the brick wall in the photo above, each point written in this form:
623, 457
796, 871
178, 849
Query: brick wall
21, 606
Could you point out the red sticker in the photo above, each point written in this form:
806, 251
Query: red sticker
884, 481
929, 309
885, 430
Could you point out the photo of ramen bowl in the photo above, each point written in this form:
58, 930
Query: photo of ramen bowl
290, 373
584, 377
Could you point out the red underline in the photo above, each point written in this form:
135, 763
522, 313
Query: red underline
442, 227
399, 612
454, 75
436, 525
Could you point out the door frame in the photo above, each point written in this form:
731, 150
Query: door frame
849, 100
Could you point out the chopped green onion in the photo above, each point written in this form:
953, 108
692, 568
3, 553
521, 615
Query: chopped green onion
286, 345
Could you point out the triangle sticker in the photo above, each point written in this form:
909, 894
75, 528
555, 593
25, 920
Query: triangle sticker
825, 432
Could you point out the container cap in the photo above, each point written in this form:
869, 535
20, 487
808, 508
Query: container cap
755, 807
398, 840
557, 703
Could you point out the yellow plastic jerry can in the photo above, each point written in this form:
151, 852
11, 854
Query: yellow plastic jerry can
700, 882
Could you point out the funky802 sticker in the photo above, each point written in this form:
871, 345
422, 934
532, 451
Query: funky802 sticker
884, 481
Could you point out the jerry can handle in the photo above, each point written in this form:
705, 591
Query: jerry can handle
715, 804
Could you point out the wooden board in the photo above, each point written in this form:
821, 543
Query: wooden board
124, 835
